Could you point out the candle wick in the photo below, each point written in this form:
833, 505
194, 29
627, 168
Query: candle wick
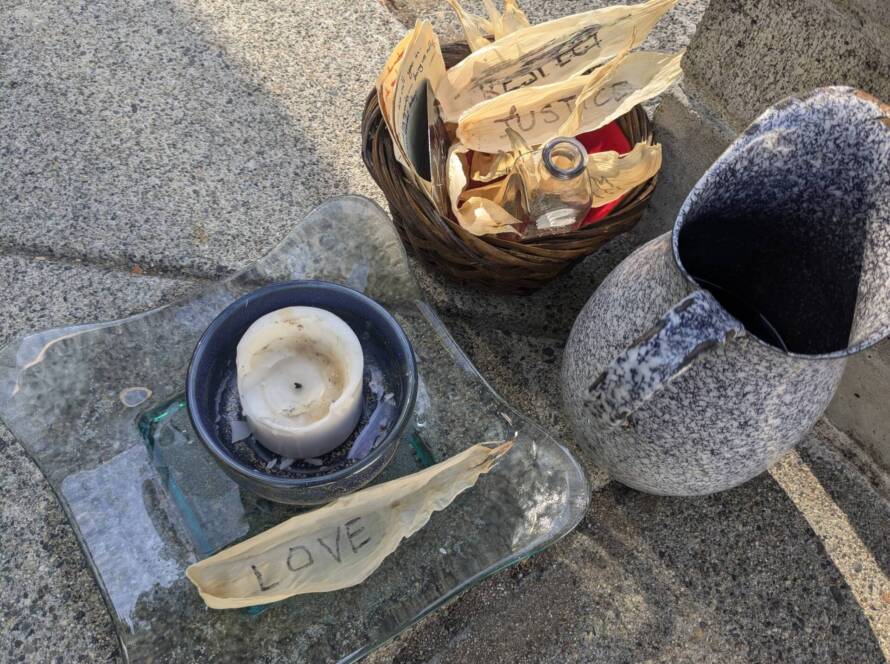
298, 386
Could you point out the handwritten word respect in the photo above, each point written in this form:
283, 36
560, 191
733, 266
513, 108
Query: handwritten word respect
538, 64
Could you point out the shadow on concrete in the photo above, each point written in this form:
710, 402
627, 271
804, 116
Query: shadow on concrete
866, 513
138, 138
735, 577
750, 562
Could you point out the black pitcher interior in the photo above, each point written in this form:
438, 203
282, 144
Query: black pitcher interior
788, 237
793, 280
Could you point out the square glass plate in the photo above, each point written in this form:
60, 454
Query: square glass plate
99, 408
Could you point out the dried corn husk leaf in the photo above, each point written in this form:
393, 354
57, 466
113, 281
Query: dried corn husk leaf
475, 27
546, 53
543, 112
422, 60
513, 19
493, 191
416, 59
488, 167
494, 18
339, 545
612, 175
594, 83
485, 167
386, 84
640, 76
476, 214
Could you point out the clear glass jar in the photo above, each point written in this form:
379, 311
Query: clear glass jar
555, 187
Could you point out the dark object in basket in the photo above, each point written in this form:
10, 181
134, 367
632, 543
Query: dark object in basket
492, 262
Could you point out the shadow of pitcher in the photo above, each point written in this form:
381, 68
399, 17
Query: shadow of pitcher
710, 351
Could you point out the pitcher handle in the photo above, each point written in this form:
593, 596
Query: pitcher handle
695, 324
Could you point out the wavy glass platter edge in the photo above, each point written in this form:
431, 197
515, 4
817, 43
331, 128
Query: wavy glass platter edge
99, 408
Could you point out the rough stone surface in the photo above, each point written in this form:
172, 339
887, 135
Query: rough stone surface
50, 606
774, 48
39, 292
182, 136
777, 570
860, 409
187, 137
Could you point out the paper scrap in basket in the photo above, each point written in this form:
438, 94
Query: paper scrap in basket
339, 545
546, 53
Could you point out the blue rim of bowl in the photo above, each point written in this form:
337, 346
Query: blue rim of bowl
229, 461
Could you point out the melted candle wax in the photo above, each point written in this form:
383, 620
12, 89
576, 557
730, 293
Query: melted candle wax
300, 381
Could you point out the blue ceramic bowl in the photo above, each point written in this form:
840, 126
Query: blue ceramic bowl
390, 389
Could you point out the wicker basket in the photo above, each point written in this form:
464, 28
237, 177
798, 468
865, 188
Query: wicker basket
492, 262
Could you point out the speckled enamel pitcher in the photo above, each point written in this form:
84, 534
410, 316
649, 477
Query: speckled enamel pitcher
710, 351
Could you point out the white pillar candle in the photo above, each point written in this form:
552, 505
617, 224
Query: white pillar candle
300, 381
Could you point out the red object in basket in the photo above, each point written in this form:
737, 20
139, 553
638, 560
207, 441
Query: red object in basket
604, 139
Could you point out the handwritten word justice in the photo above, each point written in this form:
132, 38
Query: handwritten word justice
554, 112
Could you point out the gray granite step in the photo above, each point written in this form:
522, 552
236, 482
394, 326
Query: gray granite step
187, 137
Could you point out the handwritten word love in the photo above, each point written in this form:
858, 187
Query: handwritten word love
351, 536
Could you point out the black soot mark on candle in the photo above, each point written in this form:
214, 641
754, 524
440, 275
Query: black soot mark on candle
379, 410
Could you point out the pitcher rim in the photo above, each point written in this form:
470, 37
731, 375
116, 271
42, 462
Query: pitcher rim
834, 90
868, 342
